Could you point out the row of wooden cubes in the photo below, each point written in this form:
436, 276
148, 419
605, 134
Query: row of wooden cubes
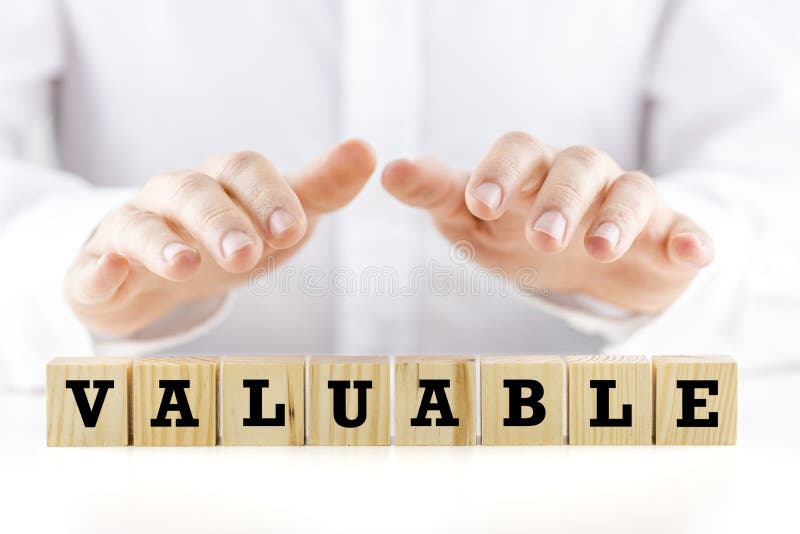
608, 400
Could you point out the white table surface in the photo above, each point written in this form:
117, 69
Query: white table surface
750, 487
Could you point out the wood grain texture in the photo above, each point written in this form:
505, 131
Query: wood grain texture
549, 372
286, 377
323, 429
633, 387
461, 394
65, 426
667, 371
201, 372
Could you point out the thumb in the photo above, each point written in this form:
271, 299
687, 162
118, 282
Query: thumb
689, 245
334, 179
429, 185
92, 281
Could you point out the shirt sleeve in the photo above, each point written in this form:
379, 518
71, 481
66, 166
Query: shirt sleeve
46, 215
721, 136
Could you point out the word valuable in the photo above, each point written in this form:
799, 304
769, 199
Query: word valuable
333, 400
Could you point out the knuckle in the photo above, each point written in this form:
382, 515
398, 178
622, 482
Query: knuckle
624, 214
502, 166
565, 194
243, 161
158, 184
523, 139
585, 155
217, 216
260, 196
131, 219
639, 182
188, 187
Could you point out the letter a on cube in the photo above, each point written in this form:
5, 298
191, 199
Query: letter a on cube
435, 400
175, 401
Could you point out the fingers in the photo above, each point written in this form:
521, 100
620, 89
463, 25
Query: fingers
630, 206
427, 184
145, 237
280, 210
689, 245
201, 206
257, 186
515, 163
572, 185
625, 211
334, 179
228, 206
93, 280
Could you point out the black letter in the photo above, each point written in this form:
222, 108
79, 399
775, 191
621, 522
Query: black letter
603, 419
434, 388
89, 414
690, 402
174, 388
256, 418
516, 401
339, 388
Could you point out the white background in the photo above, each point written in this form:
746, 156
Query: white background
750, 487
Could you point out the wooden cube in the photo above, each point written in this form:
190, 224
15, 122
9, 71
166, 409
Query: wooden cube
522, 400
175, 401
695, 399
88, 402
610, 400
435, 400
348, 401
262, 400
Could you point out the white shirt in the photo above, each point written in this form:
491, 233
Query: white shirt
703, 95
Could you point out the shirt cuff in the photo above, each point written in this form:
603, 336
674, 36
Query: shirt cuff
591, 316
182, 324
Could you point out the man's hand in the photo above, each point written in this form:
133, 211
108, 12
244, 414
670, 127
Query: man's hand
198, 233
573, 215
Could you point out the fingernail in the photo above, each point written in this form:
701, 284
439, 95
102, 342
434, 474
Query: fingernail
608, 231
551, 223
235, 241
489, 193
686, 246
693, 237
173, 249
280, 221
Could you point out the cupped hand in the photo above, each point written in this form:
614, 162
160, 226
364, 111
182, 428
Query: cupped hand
584, 224
197, 233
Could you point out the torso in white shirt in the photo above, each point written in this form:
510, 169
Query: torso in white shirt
155, 86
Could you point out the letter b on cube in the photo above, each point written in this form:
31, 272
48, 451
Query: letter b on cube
522, 400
